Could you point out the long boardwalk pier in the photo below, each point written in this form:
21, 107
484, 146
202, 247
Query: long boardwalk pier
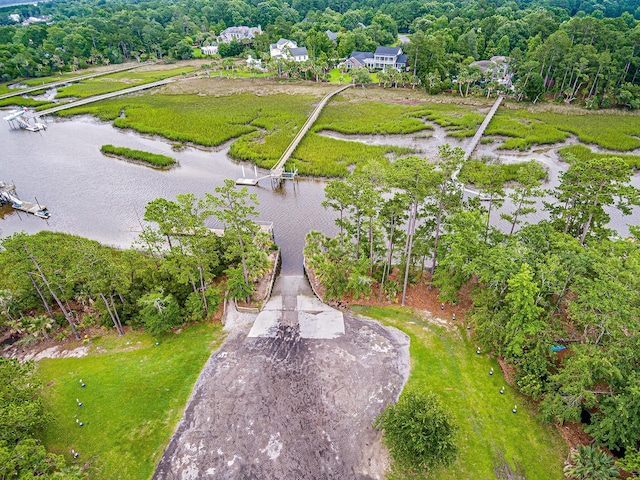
474, 143
277, 173
44, 86
483, 126
97, 98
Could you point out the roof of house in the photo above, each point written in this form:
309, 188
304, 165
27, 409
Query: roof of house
361, 56
483, 64
402, 59
388, 51
299, 52
283, 41
332, 35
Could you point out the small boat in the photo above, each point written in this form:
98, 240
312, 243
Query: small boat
42, 214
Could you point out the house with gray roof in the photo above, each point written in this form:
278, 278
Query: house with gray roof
299, 54
389, 56
281, 48
359, 60
239, 33
383, 57
288, 50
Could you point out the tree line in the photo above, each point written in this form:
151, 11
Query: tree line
57, 284
570, 50
567, 283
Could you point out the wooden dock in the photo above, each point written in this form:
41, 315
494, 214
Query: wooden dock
33, 208
45, 86
97, 98
483, 126
278, 173
9, 196
474, 143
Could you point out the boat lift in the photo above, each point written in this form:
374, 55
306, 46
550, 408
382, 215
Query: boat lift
18, 119
9, 196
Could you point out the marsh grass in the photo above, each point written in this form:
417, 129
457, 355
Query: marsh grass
208, 121
134, 396
20, 101
580, 152
330, 157
444, 361
472, 170
118, 81
375, 117
526, 128
152, 159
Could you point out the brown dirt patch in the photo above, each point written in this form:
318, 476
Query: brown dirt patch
573, 434
421, 296
220, 87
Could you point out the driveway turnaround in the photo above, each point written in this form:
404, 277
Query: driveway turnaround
292, 399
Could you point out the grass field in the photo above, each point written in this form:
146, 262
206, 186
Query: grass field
473, 169
330, 157
134, 396
445, 362
118, 81
208, 120
263, 127
525, 128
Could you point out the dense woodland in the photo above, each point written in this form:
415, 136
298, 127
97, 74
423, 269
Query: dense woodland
582, 51
565, 282
62, 283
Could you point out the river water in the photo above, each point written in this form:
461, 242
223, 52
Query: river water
103, 198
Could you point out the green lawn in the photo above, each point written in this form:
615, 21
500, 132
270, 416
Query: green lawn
134, 396
445, 362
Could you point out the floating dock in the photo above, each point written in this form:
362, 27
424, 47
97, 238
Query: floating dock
9, 196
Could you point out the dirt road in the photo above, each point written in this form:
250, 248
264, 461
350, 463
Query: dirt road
287, 407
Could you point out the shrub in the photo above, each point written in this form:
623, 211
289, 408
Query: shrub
159, 313
420, 434
588, 463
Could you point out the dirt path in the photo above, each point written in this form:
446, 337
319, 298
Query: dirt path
287, 407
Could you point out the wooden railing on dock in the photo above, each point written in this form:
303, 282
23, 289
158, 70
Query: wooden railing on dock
278, 168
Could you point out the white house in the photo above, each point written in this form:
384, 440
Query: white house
282, 48
497, 69
388, 56
209, 50
384, 56
239, 33
299, 54
254, 63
